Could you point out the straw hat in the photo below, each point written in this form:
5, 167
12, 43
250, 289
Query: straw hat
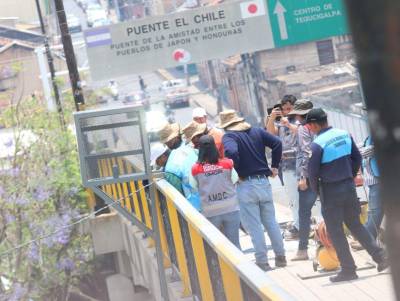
193, 129
168, 132
229, 120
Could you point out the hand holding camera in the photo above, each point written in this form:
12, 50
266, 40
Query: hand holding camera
276, 113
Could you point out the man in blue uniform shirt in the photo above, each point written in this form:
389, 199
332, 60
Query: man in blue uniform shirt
334, 163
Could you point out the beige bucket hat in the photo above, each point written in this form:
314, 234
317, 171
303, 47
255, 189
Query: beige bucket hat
301, 107
229, 120
193, 129
168, 132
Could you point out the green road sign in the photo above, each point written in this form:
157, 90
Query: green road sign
298, 21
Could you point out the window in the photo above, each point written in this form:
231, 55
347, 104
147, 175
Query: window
326, 54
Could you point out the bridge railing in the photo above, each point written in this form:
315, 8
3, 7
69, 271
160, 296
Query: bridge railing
355, 124
209, 266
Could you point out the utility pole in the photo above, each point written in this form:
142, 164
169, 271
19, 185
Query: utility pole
69, 55
51, 67
375, 28
256, 81
187, 75
214, 85
252, 73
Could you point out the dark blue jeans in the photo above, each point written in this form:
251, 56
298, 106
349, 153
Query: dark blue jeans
307, 200
340, 204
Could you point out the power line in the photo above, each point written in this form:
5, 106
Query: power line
86, 217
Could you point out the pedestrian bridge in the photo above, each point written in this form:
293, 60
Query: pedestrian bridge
197, 260
163, 244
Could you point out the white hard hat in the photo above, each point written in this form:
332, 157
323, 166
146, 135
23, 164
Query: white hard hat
157, 149
199, 112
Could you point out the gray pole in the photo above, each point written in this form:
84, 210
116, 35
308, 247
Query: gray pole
375, 28
187, 75
214, 85
157, 238
251, 71
51, 67
43, 76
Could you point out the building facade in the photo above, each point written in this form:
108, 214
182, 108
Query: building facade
252, 83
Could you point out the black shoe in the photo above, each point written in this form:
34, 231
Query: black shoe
280, 261
264, 266
341, 276
382, 265
292, 234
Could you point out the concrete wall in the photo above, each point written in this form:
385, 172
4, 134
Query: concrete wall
274, 62
136, 260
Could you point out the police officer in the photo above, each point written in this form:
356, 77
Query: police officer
334, 163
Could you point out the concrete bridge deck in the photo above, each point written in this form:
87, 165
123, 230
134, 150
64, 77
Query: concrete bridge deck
370, 285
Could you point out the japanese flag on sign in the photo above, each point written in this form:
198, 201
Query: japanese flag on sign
252, 9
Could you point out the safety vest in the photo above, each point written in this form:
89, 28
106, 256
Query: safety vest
335, 144
217, 192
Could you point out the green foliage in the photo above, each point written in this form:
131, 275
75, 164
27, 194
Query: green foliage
40, 191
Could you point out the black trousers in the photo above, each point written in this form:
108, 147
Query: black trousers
341, 205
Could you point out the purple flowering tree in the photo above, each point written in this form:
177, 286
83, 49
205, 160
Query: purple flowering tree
40, 193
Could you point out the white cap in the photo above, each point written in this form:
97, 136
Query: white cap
157, 149
199, 112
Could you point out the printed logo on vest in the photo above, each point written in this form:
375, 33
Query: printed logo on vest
220, 196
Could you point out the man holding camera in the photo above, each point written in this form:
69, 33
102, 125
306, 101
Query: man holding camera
285, 128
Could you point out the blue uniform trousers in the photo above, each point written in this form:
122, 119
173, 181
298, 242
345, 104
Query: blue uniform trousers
340, 205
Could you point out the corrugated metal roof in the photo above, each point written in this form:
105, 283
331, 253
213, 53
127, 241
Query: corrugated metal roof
232, 61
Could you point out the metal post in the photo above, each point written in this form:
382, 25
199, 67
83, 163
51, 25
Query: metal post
375, 27
69, 54
187, 75
360, 87
256, 80
43, 76
117, 11
51, 67
214, 85
157, 239
253, 85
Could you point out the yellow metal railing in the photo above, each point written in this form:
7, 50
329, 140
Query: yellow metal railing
209, 265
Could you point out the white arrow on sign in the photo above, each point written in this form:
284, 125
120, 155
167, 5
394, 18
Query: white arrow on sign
280, 11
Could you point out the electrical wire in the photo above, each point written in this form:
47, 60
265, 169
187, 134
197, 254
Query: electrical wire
86, 217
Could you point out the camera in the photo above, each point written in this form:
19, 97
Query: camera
269, 111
